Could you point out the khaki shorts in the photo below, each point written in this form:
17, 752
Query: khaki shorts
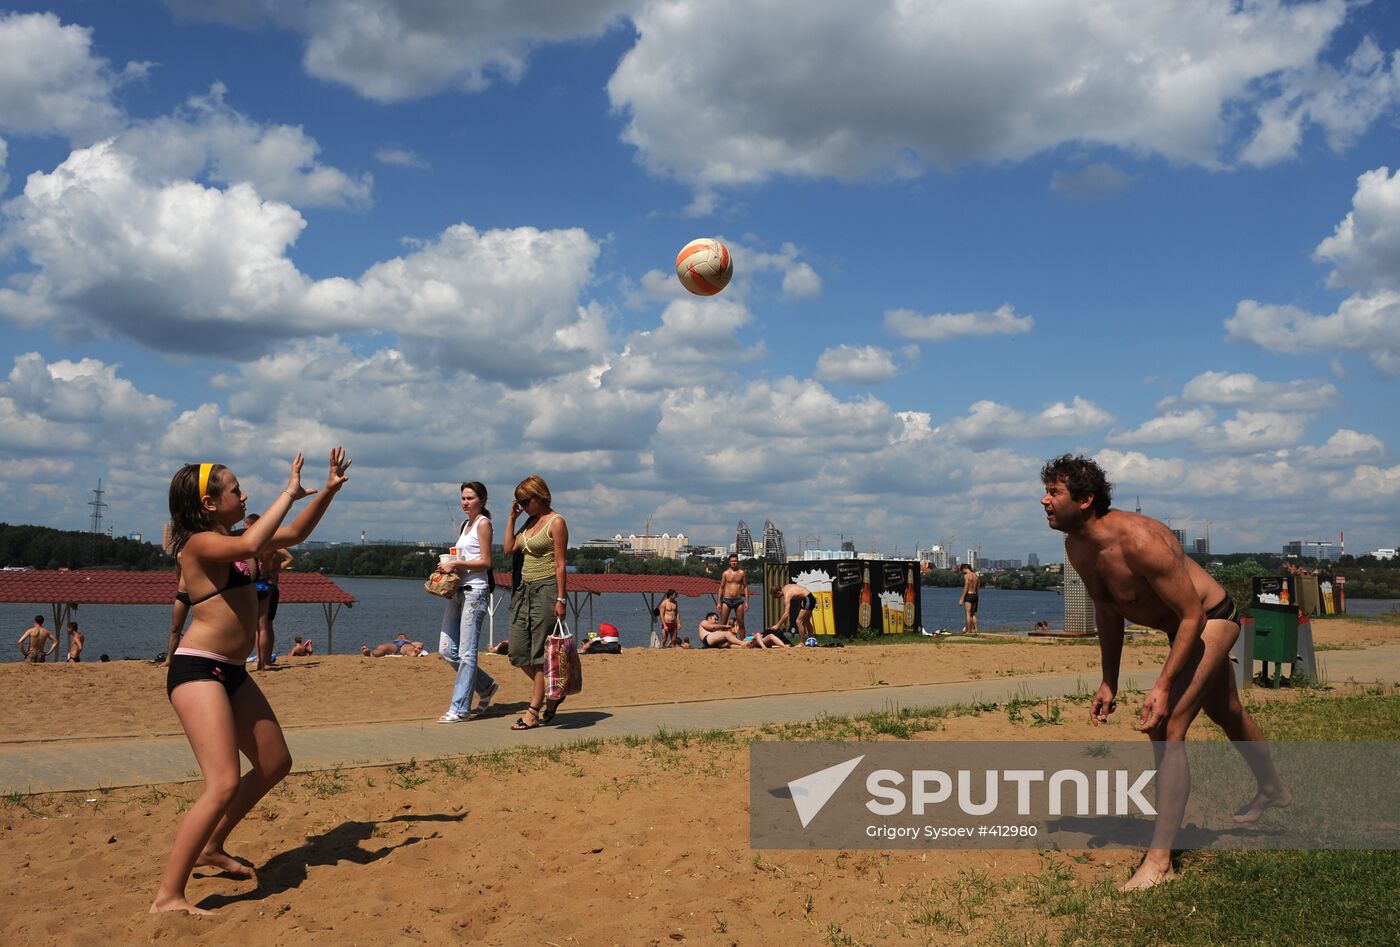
531, 621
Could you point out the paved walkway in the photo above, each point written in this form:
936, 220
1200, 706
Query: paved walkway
106, 764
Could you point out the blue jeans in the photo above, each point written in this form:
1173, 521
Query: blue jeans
461, 635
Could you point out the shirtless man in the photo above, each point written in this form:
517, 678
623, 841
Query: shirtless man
75, 643
31, 643
717, 634
733, 593
798, 605
670, 613
300, 649
972, 583
1134, 570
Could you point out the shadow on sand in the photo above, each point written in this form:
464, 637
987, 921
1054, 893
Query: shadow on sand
286, 871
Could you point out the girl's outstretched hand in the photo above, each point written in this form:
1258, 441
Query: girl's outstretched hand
294, 486
339, 464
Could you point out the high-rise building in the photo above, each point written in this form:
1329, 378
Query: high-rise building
1202, 546
1180, 535
972, 559
1079, 608
774, 547
1293, 549
935, 556
1032, 560
743, 541
848, 545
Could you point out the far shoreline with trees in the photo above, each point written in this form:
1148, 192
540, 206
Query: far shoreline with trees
40, 547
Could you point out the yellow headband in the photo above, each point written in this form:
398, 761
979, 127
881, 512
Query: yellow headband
204, 471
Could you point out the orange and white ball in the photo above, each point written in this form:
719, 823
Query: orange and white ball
704, 266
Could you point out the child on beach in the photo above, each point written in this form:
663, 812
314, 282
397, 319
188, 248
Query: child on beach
220, 707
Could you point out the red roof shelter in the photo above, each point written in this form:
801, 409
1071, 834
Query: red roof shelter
65, 588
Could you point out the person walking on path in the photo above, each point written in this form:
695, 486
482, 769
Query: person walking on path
537, 601
462, 621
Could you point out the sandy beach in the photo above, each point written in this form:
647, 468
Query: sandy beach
127, 698
644, 843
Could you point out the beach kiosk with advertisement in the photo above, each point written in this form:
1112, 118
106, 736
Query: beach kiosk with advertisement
855, 597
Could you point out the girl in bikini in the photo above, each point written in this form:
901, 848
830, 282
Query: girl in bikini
220, 707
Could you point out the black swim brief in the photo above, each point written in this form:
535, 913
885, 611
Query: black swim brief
732, 602
809, 604
1225, 611
185, 668
971, 602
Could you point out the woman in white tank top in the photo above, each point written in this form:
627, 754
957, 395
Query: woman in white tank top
466, 611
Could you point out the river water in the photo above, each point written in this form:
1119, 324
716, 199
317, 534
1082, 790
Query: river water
386, 607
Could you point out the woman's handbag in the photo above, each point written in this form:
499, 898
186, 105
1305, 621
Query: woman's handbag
563, 672
444, 584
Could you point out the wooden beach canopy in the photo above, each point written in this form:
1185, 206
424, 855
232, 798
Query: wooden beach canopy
64, 589
583, 587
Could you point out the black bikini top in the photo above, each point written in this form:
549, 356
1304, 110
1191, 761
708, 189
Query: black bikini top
238, 576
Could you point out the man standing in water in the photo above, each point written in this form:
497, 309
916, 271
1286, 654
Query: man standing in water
1134, 570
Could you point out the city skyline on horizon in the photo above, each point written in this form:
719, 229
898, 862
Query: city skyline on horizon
1190, 543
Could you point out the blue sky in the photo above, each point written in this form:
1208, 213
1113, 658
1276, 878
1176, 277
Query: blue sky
968, 236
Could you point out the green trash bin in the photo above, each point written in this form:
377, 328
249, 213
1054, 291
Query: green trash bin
1275, 615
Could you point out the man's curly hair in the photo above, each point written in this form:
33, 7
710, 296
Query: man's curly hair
1082, 477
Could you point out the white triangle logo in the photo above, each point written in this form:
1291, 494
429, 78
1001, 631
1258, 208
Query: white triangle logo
811, 792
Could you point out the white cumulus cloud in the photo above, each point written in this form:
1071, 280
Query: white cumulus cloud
944, 326
51, 82
989, 423
207, 138
392, 50
890, 87
857, 364
1246, 390
1364, 251
186, 268
1164, 429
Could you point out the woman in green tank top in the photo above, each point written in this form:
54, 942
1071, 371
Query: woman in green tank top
538, 601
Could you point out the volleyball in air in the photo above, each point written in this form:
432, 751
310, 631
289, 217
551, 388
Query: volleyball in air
704, 266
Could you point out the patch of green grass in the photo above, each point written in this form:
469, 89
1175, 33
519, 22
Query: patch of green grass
325, 784
836, 937
406, 776
1372, 715
953, 906
1317, 898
